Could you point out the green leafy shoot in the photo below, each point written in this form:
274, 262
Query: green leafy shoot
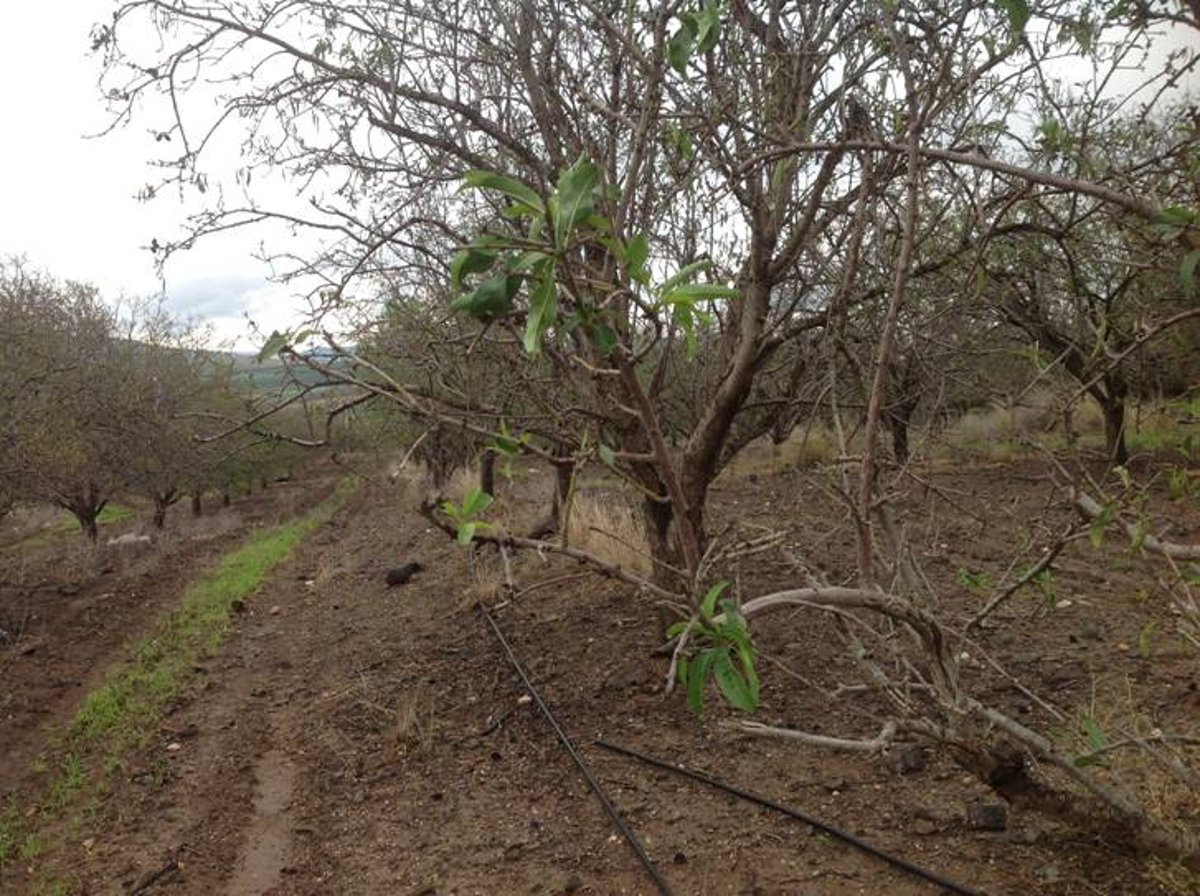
684, 299
1044, 580
698, 32
1094, 737
275, 343
1017, 12
466, 516
1102, 521
721, 651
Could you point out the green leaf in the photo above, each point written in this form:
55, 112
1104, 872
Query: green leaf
1102, 521
505, 445
608, 457
637, 253
684, 274
679, 628
476, 502
1093, 734
466, 532
1175, 216
682, 43
573, 199
533, 259
275, 343
1145, 637
698, 675
733, 686
708, 27
695, 292
542, 308
1187, 272
1017, 12
605, 338
708, 606
491, 298
514, 189
469, 261
1140, 531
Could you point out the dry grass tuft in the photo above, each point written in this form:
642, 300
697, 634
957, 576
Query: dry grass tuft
487, 587
1037, 415
413, 724
805, 447
604, 524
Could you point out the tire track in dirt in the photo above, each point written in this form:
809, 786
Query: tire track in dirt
268, 836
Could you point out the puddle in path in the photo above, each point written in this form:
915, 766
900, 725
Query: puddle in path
264, 851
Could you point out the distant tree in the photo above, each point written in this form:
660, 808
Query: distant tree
68, 393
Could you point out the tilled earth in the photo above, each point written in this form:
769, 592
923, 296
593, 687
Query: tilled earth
360, 739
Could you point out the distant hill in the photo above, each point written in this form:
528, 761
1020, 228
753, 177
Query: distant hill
271, 375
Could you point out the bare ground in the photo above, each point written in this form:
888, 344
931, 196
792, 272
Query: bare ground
352, 738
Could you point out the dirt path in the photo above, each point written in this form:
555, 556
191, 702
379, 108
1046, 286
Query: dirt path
356, 739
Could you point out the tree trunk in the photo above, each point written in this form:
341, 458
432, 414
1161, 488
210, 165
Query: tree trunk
487, 472
85, 505
1115, 448
899, 427
87, 522
563, 474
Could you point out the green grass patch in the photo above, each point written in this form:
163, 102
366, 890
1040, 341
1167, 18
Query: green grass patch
131, 700
112, 513
123, 713
12, 831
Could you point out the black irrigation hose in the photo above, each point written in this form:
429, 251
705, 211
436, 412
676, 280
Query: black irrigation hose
844, 836
626, 831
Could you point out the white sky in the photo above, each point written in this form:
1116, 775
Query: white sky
67, 202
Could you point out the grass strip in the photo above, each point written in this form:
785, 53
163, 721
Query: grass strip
124, 711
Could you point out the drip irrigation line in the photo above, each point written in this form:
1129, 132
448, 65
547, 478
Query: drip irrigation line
626, 832
844, 836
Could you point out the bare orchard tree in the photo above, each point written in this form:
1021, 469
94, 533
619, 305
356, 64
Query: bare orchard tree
664, 132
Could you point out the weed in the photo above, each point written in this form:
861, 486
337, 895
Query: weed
11, 828
31, 847
70, 781
979, 582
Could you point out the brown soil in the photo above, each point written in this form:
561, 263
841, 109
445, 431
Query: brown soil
363, 739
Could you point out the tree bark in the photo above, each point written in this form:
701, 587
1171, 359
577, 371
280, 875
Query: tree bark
1115, 447
487, 472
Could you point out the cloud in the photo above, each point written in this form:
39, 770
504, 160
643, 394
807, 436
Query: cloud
240, 310
226, 295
